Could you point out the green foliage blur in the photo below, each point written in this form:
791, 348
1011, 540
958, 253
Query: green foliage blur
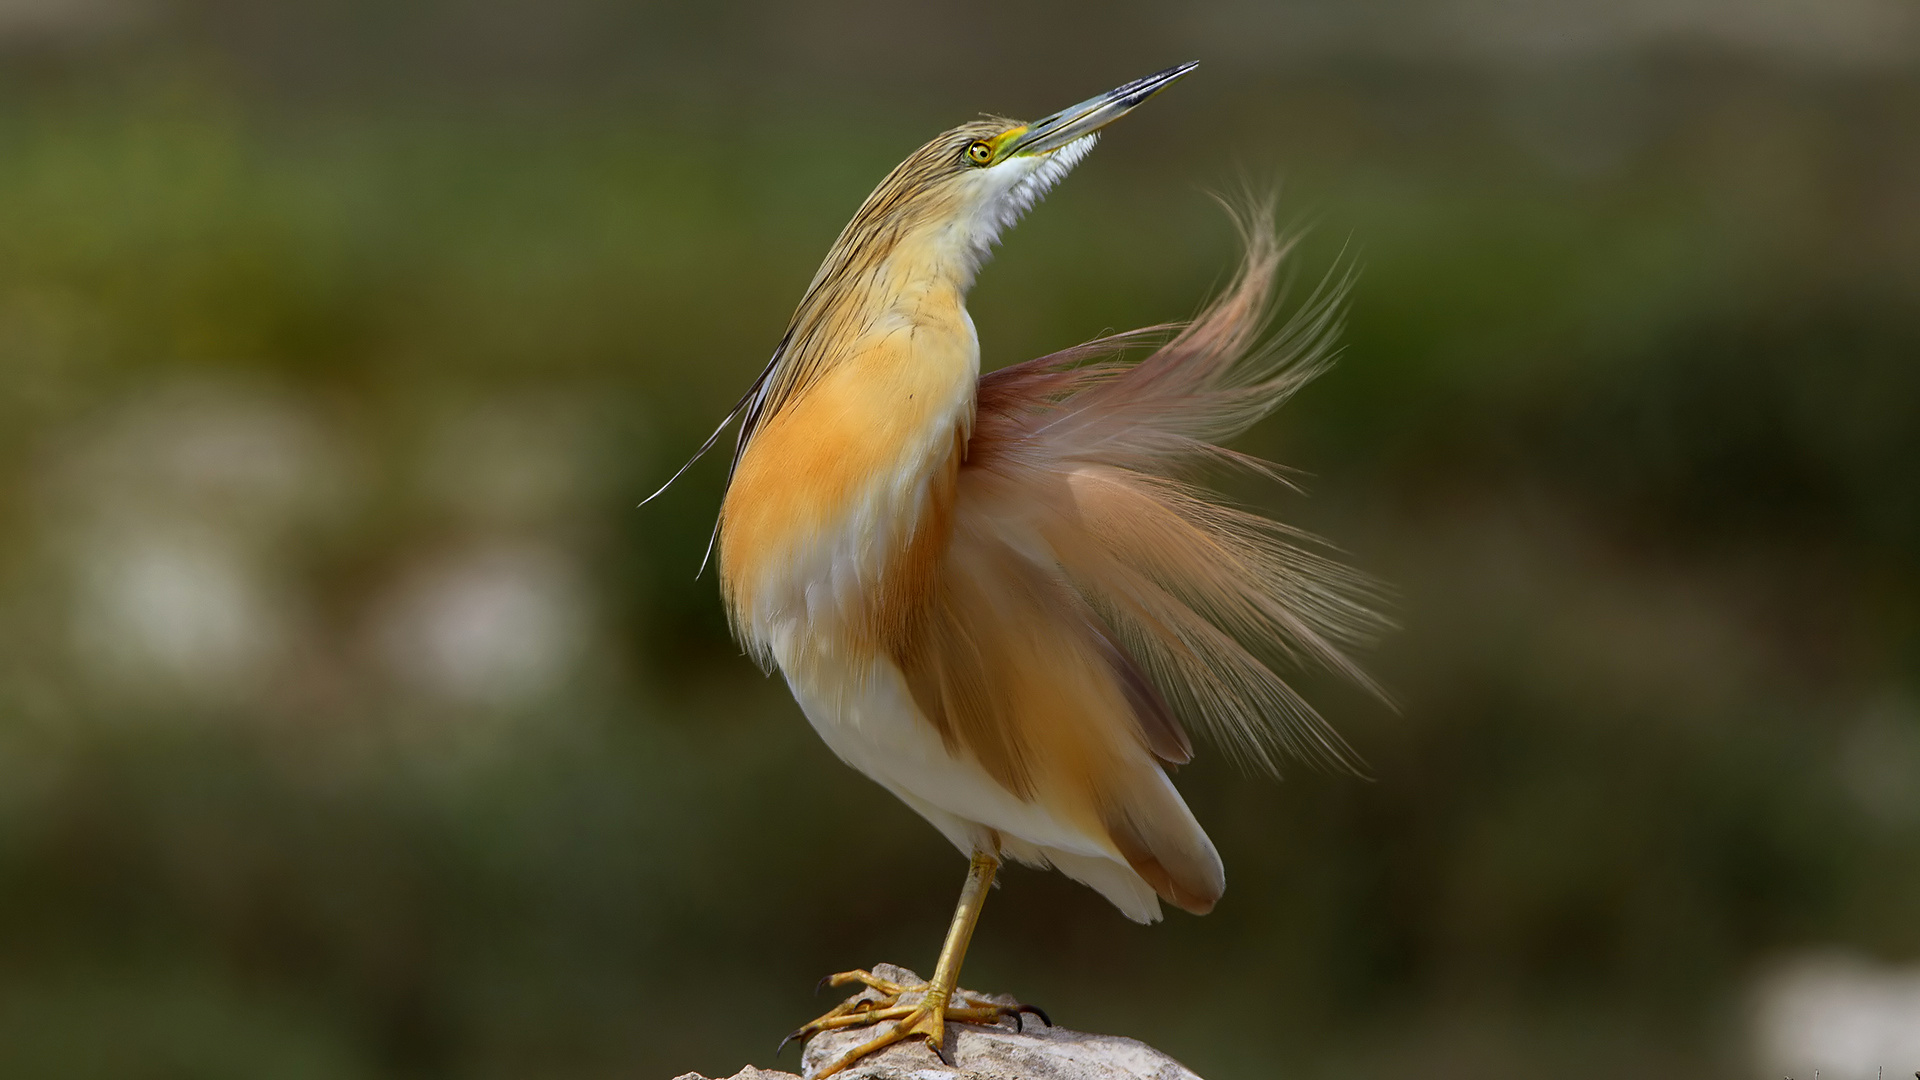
354, 723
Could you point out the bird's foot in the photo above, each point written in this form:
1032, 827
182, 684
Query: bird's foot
915, 1009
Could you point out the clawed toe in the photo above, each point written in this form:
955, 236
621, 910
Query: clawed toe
925, 1018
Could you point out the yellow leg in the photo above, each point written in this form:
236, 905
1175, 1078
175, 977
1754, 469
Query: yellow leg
941, 1000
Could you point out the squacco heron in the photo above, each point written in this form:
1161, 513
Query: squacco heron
1001, 596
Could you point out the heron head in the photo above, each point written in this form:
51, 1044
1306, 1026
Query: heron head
970, 183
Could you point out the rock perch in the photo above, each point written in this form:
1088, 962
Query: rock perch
981, 1053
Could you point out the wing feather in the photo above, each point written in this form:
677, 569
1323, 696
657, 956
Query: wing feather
1098, 456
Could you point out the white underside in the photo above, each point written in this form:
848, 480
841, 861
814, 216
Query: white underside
869, 720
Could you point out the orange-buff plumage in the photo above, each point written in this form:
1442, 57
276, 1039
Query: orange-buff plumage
1005, 597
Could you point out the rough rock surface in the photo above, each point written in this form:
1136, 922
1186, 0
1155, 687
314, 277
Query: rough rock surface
981, 1053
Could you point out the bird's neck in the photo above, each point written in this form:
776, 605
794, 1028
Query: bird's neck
928, 262
917, 336
898, 315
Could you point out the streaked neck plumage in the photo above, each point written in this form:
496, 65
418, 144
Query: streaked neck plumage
925, 231
849, 448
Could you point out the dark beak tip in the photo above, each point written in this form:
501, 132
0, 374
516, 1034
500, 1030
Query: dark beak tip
1051, 132
1143, 88
1173, 72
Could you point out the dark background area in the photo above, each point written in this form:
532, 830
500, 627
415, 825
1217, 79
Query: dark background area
355, 724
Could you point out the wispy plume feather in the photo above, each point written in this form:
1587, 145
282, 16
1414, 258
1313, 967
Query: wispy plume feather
1100, 459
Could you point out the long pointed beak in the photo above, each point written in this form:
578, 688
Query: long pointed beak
1056, 131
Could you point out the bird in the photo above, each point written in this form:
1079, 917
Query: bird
1006, 596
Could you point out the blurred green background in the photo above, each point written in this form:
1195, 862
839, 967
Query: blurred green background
355, 724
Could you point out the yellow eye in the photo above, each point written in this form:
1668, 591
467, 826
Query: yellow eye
980, 153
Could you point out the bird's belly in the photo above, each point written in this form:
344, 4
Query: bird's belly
866, 716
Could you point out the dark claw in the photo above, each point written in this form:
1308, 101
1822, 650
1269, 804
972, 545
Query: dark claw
822, 984
1035, 1010
791, 1035
944, 1055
